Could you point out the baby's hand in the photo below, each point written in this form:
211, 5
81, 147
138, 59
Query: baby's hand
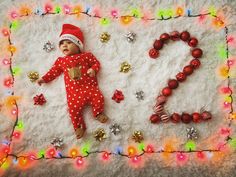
91, 72
40, 81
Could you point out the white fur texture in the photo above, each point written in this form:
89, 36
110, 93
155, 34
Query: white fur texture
43, 123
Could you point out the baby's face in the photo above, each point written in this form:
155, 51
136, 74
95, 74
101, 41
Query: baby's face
68, 48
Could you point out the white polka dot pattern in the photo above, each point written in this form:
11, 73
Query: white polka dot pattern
82, 91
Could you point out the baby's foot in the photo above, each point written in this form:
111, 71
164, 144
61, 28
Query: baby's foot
79, 132
102, 118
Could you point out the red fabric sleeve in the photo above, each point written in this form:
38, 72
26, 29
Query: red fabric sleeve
93, 62
54, 72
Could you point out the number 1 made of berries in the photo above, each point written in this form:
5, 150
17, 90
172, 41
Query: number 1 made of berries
160, 114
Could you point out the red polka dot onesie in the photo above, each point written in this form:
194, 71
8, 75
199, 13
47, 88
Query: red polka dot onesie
81, 91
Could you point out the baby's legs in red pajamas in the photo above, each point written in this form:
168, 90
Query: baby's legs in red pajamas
96, 101
76, 102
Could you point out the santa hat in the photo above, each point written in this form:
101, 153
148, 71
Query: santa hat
72, 33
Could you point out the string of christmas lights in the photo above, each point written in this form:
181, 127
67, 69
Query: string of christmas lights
132, 152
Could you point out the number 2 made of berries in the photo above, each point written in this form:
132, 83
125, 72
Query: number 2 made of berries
160, 114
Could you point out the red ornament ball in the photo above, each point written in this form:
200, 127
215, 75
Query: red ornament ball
166, 91
164, 37
155, 119
173, 84
186, 118
188, 70
206, 115
174, 35
175, 118
197, 53
158, 44
196, 117
153, 53
193, 42
185, 36
195, 63
180, 77
161, 99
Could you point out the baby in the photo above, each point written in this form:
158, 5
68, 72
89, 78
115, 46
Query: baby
80, 69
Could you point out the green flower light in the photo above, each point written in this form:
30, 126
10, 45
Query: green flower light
190, 145
232, 143
160, 13
16, 71
105, 21
136, 12
58, 9
20, 125
15, 25
141, 146
85, 149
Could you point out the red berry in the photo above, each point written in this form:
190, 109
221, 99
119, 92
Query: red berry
188, 70
193, 42
166, 91
164, 37
206, 115
181, 77
186, 118
173, 84
153, 53
158, 44
155, 119
195, 63
185, 36
196, 117
174, 35
197, 53
175, 118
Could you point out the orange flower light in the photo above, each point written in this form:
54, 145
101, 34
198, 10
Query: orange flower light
77, 9
11, 101
125, 20
233, 115
131, 150
25, 11
179, 11
12, 48
218, 22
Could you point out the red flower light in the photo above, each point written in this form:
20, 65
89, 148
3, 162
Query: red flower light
8, 82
